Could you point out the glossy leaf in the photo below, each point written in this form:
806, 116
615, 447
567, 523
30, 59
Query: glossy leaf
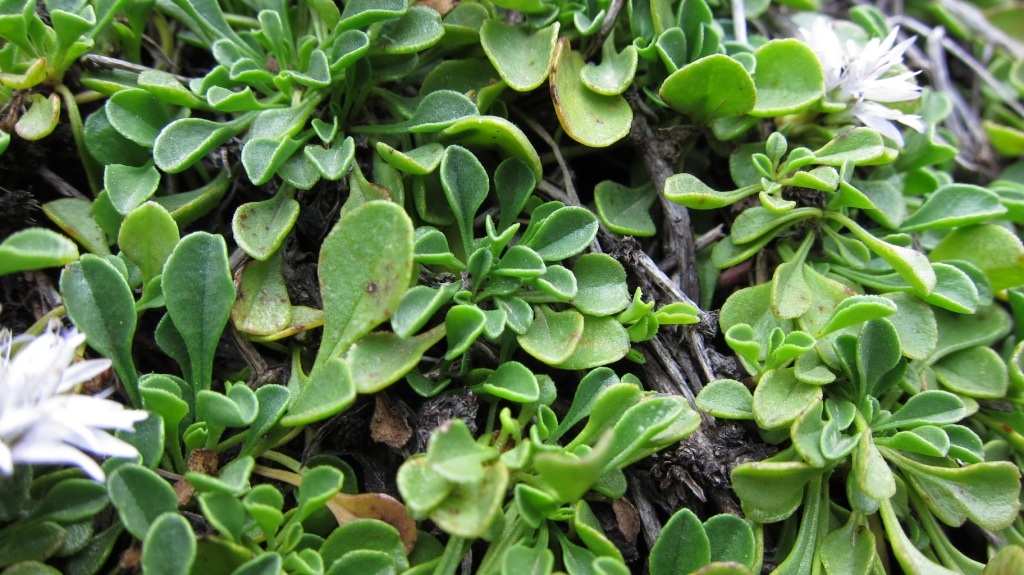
953, 206
788, 78
726, 398
991, 248
588, 117
710, 88
147, 237
35, 248
523, 57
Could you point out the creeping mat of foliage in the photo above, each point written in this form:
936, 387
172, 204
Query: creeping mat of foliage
594, 287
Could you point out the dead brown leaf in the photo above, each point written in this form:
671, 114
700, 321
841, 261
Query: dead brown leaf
389, 426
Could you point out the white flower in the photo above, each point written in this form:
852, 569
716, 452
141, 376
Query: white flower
861, 77
42, 420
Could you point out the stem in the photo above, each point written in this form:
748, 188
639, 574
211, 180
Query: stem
278, 474
278, 457
78, 131
38, 327
452, 556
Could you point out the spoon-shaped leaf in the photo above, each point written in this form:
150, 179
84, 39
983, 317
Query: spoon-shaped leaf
100, 303
523, 57
710, 88
788, 78
35, 248
588, 117
199, 292
183, 142
365, 267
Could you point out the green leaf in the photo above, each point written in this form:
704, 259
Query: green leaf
463, 324
262, 306
147, 238
34, 542
140, 497
466, 185
563, 234
334, 162
137, 115
170, 546
849, 549
199, 291
780, 398
523, 57
925, 408
35, 248
710, 88
262, 157
986, 493
186, 207
70, 501
79, 219
601, 282
590, 118
859, 145
791, 296
626, 210
770, 491
871, 472
523, 560
129, 186
471, 508
991, 248
266, 564
615, 72
552, 336
974, 372
957, 331
603, 341
418, 161
908, 555
512, 381
365, 534
493, 132
41, 118
731, 539
953, 206
184, 142
362, 281
649, 426
260, 228
454, 454
689, 191
101, 305
726, 398
421, 487
328, 390
911, 264
613, 399
683, 531
381, 358
788, 78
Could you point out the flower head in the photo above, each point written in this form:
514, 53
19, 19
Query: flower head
42, 420
861, 77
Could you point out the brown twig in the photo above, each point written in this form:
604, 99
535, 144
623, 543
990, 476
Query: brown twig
679, 237
606, 28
